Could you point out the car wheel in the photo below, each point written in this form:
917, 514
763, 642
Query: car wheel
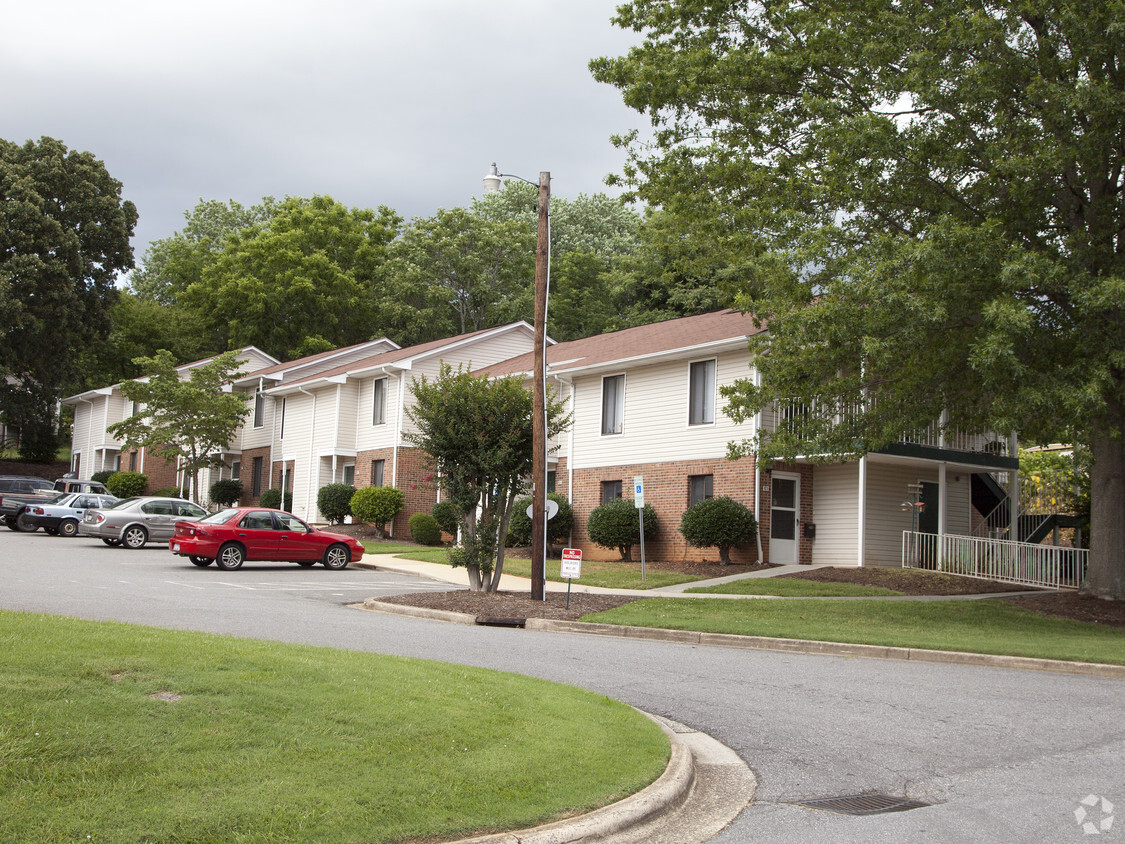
134, 537
231, 556
112, 543
68, 527
305, 563
202, 562
336, 556
23, 523
11, 523
51, 531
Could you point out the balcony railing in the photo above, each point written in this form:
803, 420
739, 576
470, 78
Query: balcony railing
790, 416
1045, 566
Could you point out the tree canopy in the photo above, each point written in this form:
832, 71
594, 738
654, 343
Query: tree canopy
188, 420
925, 201
64, 237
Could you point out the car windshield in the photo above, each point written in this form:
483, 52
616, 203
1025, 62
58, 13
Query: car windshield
123, 503
220, 518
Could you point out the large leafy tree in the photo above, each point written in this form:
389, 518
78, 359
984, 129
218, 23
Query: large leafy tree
187, 420
478, 430
926, 200
64, 237
310, 270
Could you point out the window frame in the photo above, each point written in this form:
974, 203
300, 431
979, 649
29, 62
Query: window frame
619, 405
707, 402
259, 409
708, 483
379, 402
607, 486
256, 477
382, 473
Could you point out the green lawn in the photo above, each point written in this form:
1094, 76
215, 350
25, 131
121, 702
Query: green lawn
613, 574
273, 742
789, 587
981, 626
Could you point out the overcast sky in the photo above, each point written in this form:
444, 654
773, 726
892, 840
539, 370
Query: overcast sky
369, 101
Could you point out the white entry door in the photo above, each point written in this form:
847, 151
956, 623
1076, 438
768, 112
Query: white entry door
785, 512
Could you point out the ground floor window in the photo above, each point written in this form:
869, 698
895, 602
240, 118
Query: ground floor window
610, 491
700, 488
377, 467
349, 474
256, 477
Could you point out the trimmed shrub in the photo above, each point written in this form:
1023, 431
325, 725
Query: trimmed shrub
617, 524
425, 529
272, 498
102, 476
126, 484
719, 522
377, 505
225, 492
558, 528
334, 502
448, 515
168, 492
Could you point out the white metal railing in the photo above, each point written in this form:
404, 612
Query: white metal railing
1047, 566
790, 417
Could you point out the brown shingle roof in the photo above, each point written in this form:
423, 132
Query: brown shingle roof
643, 341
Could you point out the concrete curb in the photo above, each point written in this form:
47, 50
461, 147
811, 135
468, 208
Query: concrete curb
804, 646
665, 795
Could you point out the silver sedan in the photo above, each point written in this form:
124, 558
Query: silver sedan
63, 516
134, 521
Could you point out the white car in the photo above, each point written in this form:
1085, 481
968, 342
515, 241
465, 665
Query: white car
62, 516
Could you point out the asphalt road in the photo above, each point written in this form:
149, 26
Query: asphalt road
1002, 755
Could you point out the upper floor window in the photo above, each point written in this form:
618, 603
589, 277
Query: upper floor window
379, 402
701, 399
282, 417
613, 403
259, 409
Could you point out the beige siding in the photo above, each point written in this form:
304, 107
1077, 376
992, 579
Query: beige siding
836, 515
655, 423
349, 408
368, 436
886, 520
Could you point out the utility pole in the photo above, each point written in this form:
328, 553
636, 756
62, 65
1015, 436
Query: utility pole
539, 401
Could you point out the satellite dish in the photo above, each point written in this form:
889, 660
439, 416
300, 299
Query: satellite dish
552, 509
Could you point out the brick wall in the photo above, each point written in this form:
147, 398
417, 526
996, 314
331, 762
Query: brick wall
246, 474
161, 473
416, 477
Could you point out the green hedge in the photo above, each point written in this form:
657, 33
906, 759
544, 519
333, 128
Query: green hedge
334, 502
127, 484
425, 529
377, 505
558, 528
272, 498
719, 522
616, 524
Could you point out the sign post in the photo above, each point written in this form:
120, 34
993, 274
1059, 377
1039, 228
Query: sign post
570, 567
639, 503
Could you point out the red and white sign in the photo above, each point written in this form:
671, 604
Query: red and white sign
571, 563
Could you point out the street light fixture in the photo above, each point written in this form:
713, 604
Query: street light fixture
539, 379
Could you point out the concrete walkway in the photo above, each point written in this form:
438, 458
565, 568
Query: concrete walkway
511, 583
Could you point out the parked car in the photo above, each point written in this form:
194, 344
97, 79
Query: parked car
63, 515
18, 490
237, 534
134, 521
74, 485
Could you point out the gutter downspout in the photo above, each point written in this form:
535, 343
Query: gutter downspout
399, 411
758, 473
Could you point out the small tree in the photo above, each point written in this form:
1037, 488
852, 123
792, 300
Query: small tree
187, 420
334, 502
225, 492
127, 484
425, 529
377, 505
616, 524
721, 522
102, 476
478, 430
558, 528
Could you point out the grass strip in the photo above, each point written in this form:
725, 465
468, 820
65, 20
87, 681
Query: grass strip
612, 574
981, 626
259, 741
788, 587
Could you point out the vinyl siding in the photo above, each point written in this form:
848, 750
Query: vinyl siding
370, 437
655, 423
836, 515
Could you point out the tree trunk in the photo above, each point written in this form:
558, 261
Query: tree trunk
474, 578
1105, 574
501, 540
724, 555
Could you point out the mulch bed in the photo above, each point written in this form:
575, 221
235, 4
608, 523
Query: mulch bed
512, 604
909, 581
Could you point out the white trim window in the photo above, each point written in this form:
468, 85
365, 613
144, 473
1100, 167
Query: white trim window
259, 409
701, 393
379, 402
613, 403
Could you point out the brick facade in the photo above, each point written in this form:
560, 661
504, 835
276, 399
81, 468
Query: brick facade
246, 475
161, 473
416, 477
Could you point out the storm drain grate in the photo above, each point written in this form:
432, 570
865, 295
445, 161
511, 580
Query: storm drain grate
862, 804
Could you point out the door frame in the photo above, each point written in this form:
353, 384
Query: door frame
790, 547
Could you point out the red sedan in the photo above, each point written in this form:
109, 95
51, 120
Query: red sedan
235, 535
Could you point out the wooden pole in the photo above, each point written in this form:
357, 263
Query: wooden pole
539, 402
